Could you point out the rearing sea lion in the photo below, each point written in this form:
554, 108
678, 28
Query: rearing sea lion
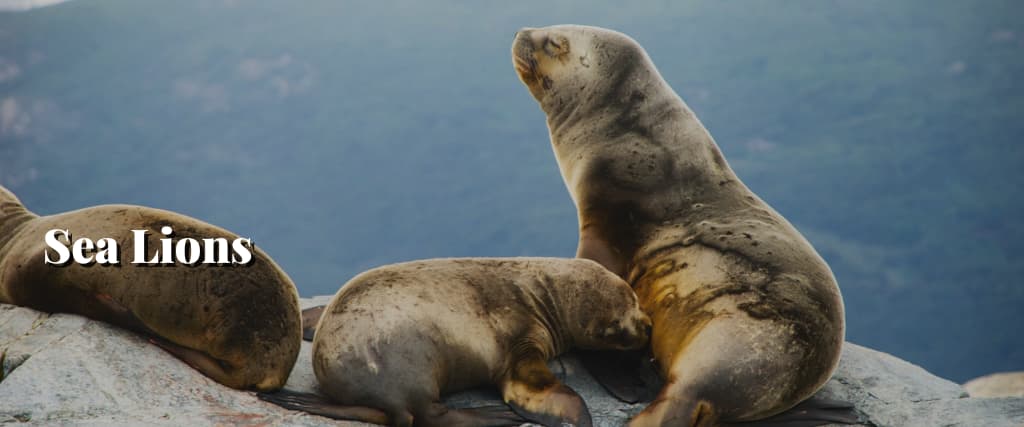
395, 338
748, 319
238, 324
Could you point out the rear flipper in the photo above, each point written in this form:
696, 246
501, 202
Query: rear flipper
440, 415
310, 318
534, 393
630, 376
812, 412
319, 405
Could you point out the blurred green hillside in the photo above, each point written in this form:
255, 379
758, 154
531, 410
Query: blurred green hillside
343, 135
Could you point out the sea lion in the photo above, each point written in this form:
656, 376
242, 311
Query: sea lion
238, 324
395, 338
1000, 384
748, 319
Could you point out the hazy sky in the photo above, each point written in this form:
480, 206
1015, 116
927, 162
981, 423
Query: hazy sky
26, 4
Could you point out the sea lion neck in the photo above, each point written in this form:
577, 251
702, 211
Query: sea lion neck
641, 114
552, 311
13, 216
636, 103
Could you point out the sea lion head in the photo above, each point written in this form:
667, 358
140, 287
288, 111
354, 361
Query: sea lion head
610, 316
573, 66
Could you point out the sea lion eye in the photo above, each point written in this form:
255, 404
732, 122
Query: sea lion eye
556, 47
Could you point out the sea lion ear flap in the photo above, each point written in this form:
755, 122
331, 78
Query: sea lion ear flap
556, 46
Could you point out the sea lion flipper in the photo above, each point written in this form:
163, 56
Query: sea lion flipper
533, 392
199, 360
114, 312
319, 405
310, 318
630, 376
482, 416
557, 406
809, 413
494, 412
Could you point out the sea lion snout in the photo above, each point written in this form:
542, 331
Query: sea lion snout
627, 334
524, 32
522, 50
646, 326
643, 327
525, 62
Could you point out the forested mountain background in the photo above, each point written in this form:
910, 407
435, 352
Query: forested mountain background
345, 135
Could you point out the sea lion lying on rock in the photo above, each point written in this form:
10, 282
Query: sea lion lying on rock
395, 338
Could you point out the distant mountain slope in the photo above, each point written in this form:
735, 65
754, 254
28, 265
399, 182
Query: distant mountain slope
343, 136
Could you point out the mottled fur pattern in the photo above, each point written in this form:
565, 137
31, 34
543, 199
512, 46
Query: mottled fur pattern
397, 337
748, 320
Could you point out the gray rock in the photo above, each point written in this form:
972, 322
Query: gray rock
67, 370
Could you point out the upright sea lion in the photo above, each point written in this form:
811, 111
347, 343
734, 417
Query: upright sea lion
395, 338
748, 319
237, 324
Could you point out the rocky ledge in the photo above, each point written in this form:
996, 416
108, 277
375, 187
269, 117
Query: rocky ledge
68, 370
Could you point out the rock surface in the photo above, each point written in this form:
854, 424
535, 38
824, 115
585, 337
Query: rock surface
65, 369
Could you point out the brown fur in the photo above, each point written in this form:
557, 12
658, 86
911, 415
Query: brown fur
397, 337
748, 320
238, 324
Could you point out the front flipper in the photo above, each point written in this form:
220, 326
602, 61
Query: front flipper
219, 370
109, 310
812, 412
310, 318
318, 405
630, 376
118, 314
533, 392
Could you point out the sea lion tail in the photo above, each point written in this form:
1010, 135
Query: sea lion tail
812, 412
318, 405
